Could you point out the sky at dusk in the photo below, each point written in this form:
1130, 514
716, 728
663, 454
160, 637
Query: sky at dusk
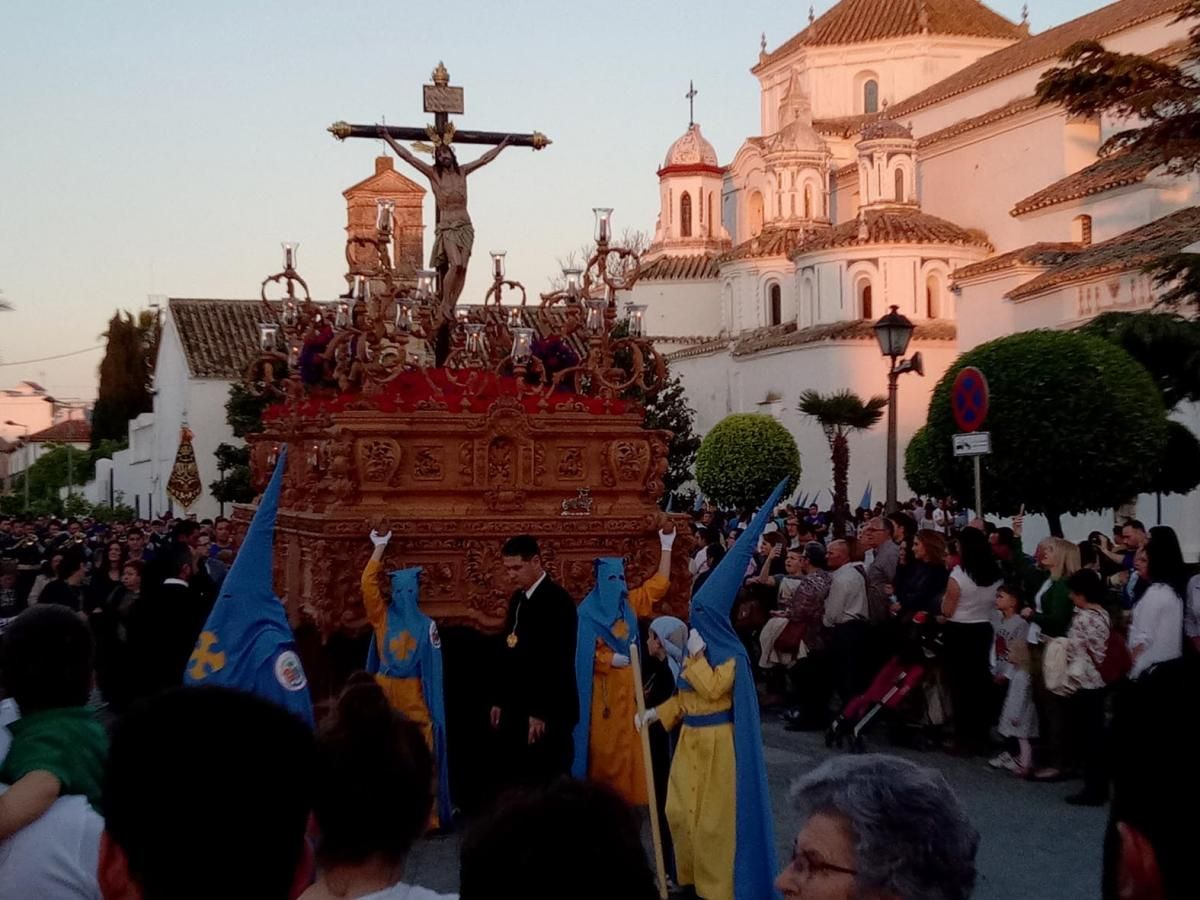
167, 148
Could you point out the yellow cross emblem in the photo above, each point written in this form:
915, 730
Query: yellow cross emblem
204, 660
402, 645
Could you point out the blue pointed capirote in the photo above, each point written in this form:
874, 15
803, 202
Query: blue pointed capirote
247, 642
754, 849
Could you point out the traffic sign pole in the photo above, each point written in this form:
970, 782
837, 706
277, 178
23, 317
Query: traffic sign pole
978, 490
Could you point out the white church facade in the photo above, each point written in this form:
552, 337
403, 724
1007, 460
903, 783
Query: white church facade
903, 160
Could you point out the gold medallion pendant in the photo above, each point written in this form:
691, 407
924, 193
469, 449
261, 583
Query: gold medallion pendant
511, 640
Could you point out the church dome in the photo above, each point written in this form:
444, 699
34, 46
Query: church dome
692, 149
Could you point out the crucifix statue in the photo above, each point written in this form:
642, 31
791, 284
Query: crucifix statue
454, 235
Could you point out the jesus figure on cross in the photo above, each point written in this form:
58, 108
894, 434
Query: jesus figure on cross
454, 236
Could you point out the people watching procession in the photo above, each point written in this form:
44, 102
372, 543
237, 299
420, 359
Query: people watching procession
1063, 666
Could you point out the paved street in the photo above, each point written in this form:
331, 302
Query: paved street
1034, 845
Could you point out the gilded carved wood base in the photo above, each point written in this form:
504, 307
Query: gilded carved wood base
452, 487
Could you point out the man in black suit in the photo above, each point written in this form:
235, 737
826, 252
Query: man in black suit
535, 702
164, 624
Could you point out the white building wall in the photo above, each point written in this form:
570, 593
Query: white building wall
680, 308
833, 77
718, 385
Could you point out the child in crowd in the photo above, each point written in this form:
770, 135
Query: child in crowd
1018, 718
58, 747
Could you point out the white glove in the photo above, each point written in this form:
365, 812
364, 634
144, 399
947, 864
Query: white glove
695, 643
620, 661
667, 541
640, 719
380, 540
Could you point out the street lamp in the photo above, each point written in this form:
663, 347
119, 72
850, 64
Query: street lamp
25, 456
894, 331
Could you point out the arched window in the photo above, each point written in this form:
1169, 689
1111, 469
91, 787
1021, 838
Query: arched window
808, 201
1083, 229
774, 304
933, 297
756, 214
685, 215
899, 185
864, 300
871, 96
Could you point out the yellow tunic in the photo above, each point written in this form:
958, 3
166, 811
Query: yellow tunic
404, 694
614, 749
701, 793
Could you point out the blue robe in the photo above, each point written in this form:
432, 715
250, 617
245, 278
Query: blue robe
607, 604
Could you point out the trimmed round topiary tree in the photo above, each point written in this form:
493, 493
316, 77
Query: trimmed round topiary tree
742, 459
1077, 425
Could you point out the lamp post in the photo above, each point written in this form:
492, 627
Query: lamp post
894, 331
25, 456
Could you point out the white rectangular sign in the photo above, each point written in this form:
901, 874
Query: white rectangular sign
975, 443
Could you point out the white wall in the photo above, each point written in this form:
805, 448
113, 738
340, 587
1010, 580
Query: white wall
717, 385
680, 308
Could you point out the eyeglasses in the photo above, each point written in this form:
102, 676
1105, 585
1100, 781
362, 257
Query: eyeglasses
807, 863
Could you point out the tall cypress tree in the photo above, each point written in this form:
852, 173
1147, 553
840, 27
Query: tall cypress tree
124, 380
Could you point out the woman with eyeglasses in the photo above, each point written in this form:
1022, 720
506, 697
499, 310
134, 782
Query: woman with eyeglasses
879, 826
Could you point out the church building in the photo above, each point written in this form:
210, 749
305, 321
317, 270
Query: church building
904, 161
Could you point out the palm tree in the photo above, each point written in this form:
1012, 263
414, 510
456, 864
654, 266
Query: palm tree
839, 414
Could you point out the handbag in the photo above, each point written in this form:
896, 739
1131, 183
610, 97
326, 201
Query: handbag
1117, 662
1055, 667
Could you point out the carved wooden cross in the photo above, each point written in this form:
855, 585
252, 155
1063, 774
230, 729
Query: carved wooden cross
442, 99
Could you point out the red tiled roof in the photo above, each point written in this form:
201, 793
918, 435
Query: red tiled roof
694, 267
862, 21
892, 225
1040, 48
1040, 254
843, 126
700, 349
1130, 250
72, 431
771, 241
790, 335
1114, 171
884, 127
219, 337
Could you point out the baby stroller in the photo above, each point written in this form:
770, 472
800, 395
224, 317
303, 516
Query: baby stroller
892, 686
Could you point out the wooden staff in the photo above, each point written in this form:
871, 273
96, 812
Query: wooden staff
648, 763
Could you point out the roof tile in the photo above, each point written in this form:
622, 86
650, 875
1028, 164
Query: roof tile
1049, 45
1040, 254
1113, 171
693, 267
892, 225
789, 335
1130, 250
862, 21
70, 431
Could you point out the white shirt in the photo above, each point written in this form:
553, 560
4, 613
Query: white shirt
847, 598
404, 891
1158, 626
942, 519
55, 856
536, 585
975, 602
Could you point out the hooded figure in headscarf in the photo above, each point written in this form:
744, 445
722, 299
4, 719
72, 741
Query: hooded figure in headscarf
718, 775
406, 659
247, 642
606, 748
